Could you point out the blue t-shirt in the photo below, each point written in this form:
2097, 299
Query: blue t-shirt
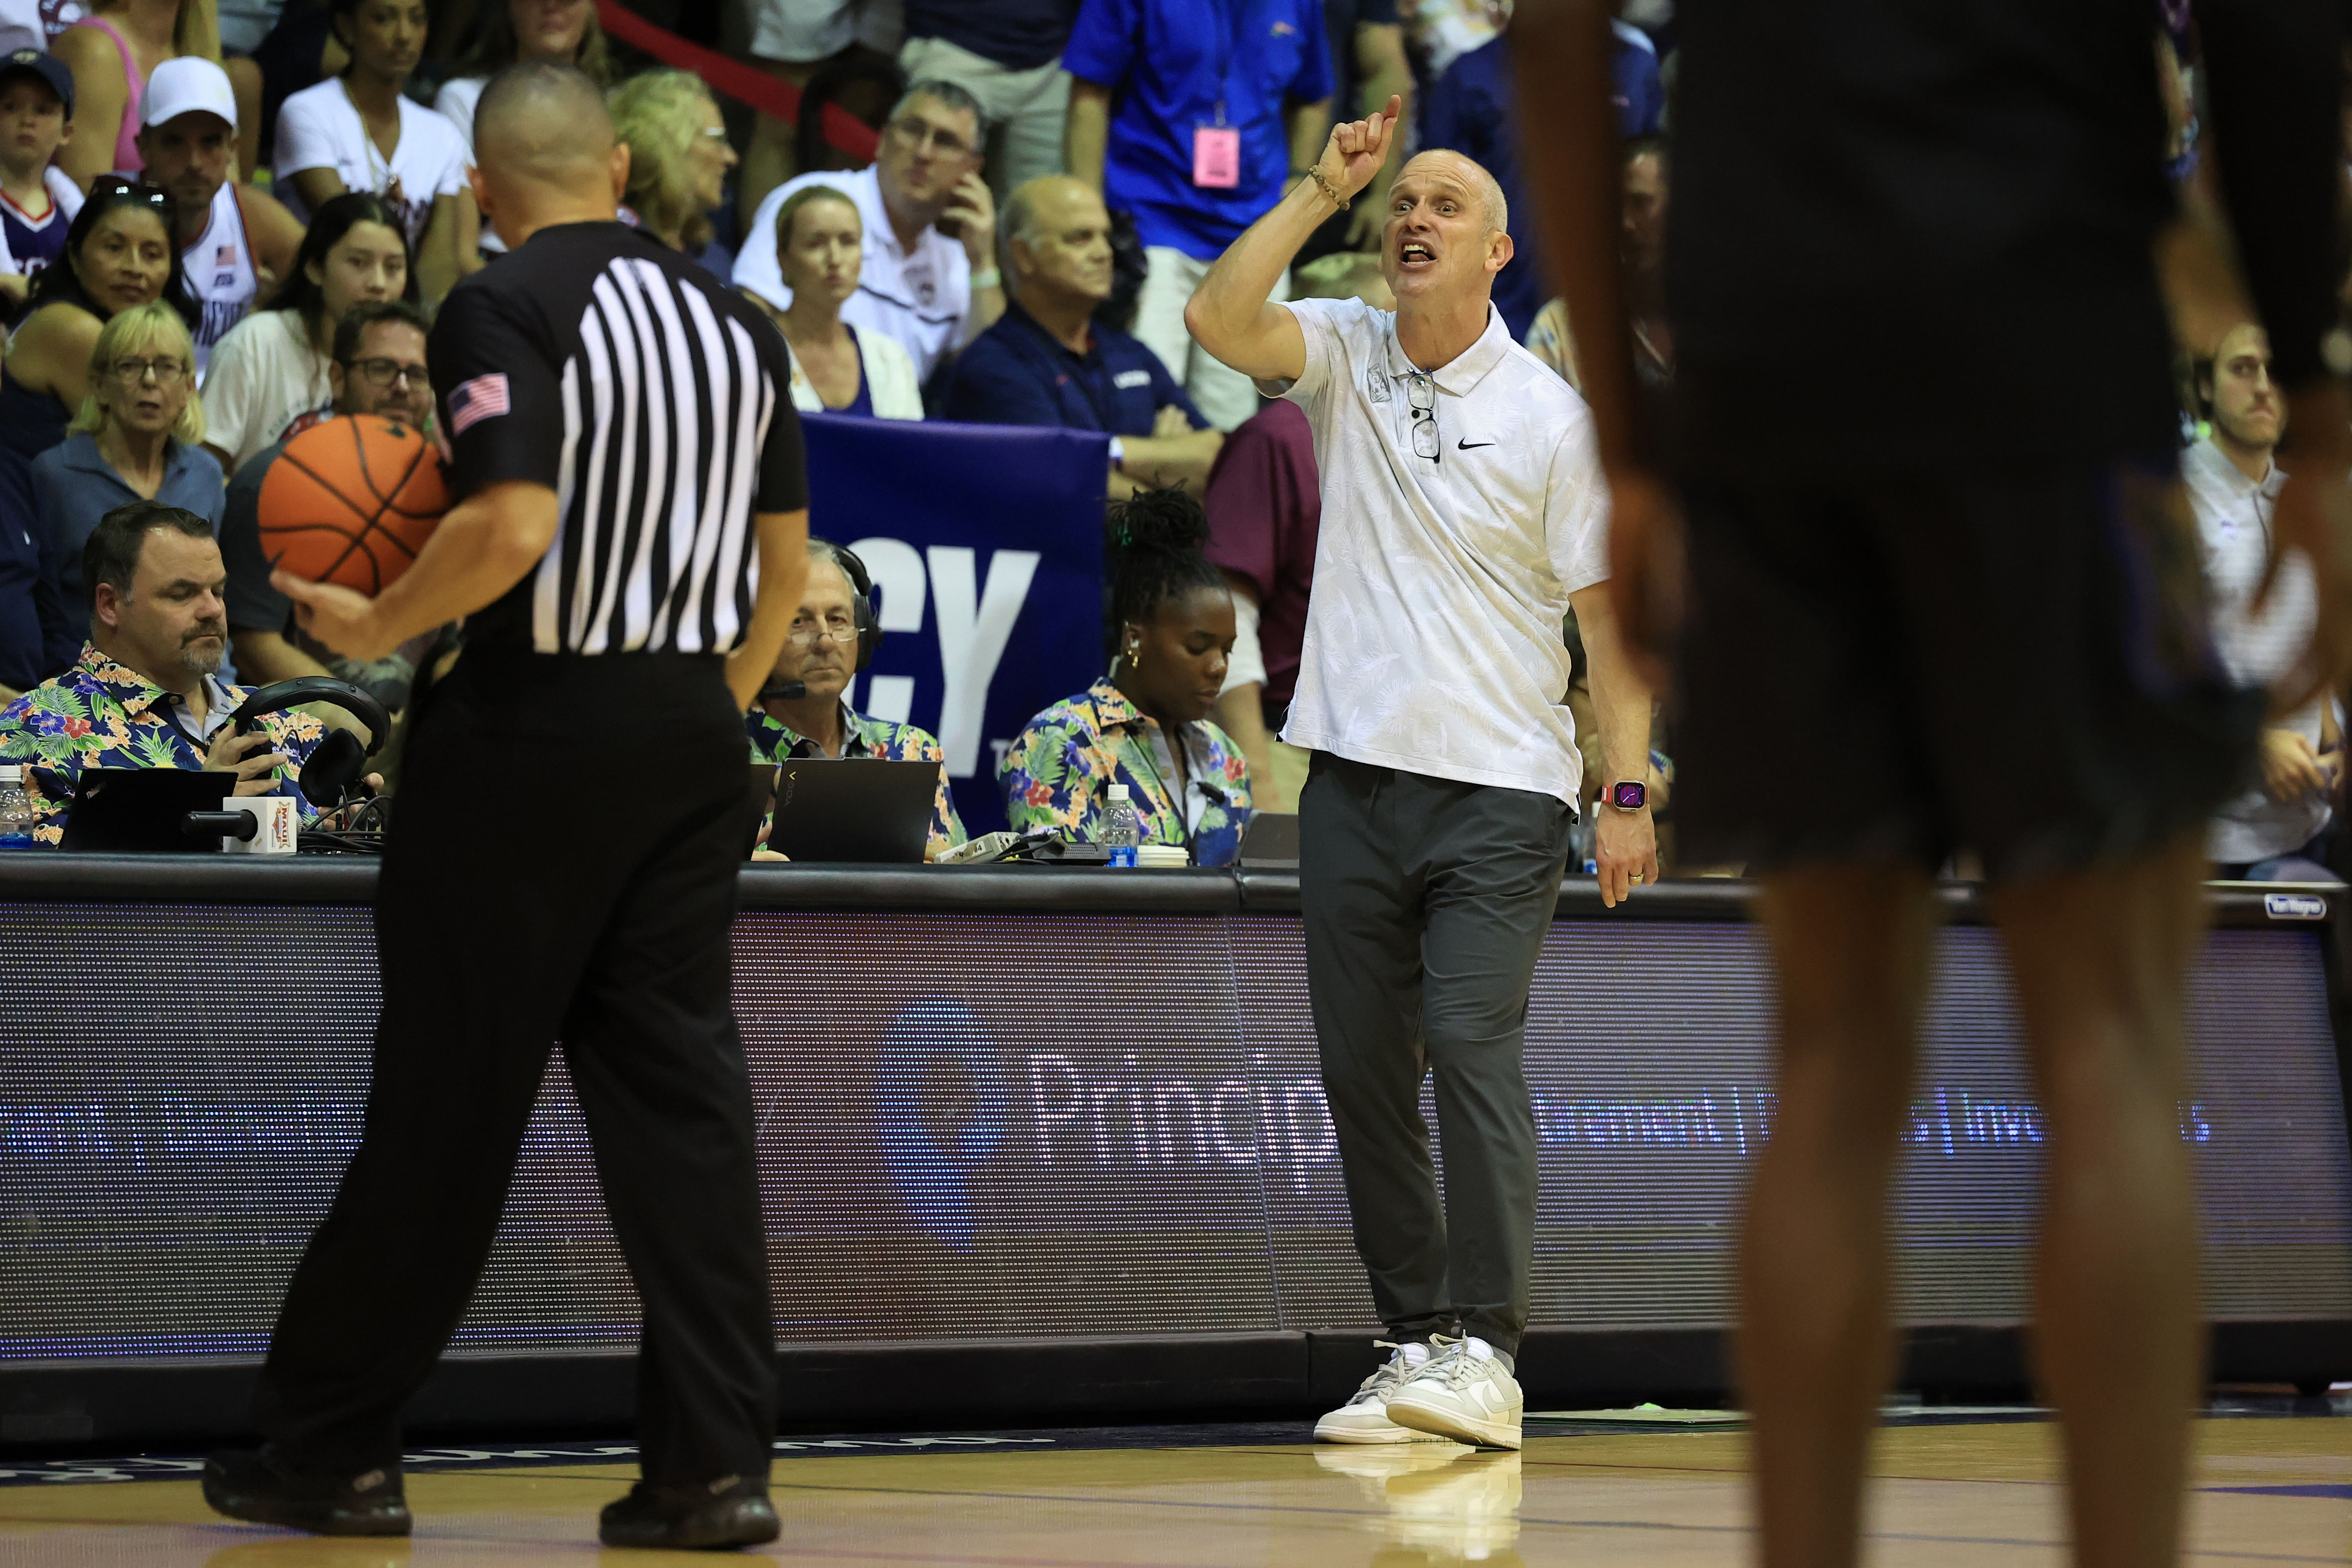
1019, 34
1172, 65
1016, 373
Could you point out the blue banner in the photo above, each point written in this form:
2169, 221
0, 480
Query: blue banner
985, 543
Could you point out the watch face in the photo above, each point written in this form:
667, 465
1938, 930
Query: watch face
1628, 797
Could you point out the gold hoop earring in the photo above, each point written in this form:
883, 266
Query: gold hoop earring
1135, 655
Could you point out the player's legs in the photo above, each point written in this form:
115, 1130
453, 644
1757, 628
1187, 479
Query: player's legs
1852, 943
2101, 958
1361, 911
660, 1070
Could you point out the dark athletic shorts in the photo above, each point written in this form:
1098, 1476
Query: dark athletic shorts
1896, 665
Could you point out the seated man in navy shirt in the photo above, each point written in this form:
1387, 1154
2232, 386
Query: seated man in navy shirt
1047, 362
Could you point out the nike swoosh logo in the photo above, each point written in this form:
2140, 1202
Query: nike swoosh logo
1470, 445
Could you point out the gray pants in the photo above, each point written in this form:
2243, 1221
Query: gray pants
1426, 903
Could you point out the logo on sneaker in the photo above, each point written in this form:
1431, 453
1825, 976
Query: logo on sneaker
368, 1482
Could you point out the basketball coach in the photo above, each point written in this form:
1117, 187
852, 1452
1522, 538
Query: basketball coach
628, 542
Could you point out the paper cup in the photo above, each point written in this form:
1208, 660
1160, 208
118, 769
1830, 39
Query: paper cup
1162, 857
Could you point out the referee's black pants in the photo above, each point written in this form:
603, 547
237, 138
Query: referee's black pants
551, 875
1426, 902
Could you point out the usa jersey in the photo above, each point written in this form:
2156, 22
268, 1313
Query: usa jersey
219, 273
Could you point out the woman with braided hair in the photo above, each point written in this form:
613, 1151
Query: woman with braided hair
1146, 723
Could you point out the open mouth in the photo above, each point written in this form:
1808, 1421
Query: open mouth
1415, 252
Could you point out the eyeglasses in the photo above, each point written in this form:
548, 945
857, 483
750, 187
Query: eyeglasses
167, 373
809, 636
107, 187
384, 373
1425, 416
714, 133
919, 134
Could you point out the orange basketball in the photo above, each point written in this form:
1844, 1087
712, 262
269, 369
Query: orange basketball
352, 501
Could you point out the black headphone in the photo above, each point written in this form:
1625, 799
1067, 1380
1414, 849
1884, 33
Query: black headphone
338, 758
861, 582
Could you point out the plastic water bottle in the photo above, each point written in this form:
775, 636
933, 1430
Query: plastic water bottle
17, 813
1122, 830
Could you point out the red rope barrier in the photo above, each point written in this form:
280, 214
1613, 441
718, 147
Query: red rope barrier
768, 94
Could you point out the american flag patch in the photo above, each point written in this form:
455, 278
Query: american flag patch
484, 397
225, 256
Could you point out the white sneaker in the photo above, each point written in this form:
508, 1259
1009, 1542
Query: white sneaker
1364, 1417
1461, 1395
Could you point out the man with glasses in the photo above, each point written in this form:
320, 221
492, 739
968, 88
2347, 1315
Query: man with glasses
820, 658
929, 279
379, 369
1464, 516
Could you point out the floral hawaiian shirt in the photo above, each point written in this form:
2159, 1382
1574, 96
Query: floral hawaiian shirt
1059, 772
874, 739
102, 715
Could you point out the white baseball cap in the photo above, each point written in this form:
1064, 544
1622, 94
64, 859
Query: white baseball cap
188, 84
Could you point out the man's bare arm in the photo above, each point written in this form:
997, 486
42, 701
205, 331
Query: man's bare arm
1085, 132
1232, 314
1626, 844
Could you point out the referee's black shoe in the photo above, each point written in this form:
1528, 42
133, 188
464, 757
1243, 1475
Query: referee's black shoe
732, 1511
247, 1484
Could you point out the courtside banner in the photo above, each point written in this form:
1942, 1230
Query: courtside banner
985, 545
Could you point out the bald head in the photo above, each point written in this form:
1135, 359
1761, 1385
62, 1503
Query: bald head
1470, 176
1045, 202
543, 124
1058, 238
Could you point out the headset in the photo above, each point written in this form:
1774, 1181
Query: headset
337, 760
861, 601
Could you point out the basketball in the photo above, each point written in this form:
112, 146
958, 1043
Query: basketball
352, 501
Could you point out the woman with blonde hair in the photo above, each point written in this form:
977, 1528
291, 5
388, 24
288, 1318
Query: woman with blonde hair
678, 158
137, 438
836, 369
112, 52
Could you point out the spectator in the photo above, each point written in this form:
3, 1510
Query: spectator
134, 438
118, 253
112, 52
1146, 723
378, 367
678, 160
1008, 54
1215, 105
504, 33
1265, 511
1642, 254
1367, 67
2272, 831
274, 366
932, 293
798, 41
301, 52
361, 132
835, 368
230, 232
1049, 362
146, 691
822, 655
37, 199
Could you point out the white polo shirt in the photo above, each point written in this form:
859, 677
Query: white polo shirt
2234, 528
916, 297
1433, 631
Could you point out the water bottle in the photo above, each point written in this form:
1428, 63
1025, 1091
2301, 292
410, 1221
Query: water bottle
1122, 830
17, 813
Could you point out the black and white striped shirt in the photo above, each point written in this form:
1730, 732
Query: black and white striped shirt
656, 402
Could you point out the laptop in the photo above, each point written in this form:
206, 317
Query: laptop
139, 809
853, 810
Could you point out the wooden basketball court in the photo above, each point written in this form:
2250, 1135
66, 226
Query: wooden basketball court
2271, 1491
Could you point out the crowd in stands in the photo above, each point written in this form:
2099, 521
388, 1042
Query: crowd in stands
223, 221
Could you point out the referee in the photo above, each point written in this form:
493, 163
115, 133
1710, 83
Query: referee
627, 460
